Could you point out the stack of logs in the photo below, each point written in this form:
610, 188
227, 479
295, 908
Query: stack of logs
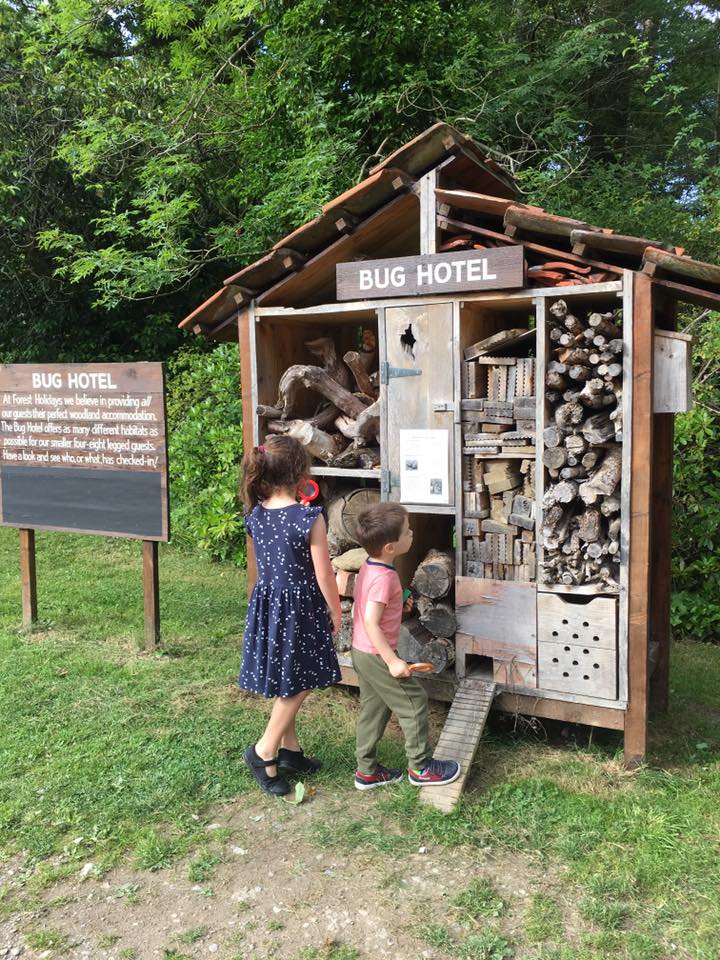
426, 636
582, 449
499, 538
344, 429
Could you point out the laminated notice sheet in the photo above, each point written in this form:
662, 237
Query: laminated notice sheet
424, 473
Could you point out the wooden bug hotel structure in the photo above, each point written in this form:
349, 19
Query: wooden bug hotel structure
511, 377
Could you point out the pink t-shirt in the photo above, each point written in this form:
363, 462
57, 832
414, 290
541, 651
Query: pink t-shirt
380, 582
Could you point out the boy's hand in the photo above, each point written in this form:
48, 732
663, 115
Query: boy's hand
398, 668
408, 607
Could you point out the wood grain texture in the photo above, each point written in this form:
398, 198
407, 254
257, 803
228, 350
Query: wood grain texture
661, 552
640, 505
28, 577
498, 614
553, 709
672, 374
408, 401
661, 534
577, 668
589, 624
429, 274
248, 415
460, 739
151, 590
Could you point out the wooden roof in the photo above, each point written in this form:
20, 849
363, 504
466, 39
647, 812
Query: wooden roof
484, 213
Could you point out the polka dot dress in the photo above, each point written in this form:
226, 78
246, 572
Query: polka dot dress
288, 644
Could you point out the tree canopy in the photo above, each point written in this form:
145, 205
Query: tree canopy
148, 149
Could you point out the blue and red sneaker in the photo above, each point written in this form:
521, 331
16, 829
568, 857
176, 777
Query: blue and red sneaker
435, 773
381, 777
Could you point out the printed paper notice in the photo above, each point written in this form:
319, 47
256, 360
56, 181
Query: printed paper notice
424, 466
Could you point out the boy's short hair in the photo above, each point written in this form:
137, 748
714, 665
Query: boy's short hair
380, 524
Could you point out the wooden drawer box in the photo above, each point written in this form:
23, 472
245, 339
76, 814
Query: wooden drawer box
496, 619
577, 646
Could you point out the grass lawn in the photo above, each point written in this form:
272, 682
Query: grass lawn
110, 755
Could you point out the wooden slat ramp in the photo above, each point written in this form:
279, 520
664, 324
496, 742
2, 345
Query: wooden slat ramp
460, 738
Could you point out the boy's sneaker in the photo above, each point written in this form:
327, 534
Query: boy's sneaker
381, 777
435, 773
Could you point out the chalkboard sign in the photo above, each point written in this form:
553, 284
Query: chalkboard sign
83, 449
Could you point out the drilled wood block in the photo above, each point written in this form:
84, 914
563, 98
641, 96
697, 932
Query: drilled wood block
592, 624
573, 668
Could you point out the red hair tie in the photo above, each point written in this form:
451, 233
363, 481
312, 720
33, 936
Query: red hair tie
261, 449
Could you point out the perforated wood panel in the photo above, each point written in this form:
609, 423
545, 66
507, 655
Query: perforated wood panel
577, 646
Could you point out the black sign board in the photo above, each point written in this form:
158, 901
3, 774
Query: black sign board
83, 449
502, 268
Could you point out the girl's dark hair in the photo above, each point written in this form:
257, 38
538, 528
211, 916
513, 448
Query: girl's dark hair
278, 462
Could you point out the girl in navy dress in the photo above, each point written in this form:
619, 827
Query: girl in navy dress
294, 610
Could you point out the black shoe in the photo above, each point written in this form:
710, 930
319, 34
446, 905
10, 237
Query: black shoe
295, 761
257, 767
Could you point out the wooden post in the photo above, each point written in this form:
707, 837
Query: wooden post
640, 505
661, 533
245, 318
428, 213
28, 577
151, 583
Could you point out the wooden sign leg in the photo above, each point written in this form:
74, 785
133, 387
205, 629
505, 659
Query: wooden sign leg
151, 583
27, 574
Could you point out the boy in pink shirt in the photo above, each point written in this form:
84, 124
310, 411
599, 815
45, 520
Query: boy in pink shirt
386, 683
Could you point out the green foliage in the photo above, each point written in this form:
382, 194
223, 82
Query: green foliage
489, 944
205, 449
480, 899
696, 502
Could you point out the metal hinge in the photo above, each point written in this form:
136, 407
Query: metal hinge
446, 406
388, 481
388, 372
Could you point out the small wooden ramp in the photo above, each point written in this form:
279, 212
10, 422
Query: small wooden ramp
460, 738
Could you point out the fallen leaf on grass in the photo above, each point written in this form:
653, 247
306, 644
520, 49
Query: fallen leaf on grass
301, 793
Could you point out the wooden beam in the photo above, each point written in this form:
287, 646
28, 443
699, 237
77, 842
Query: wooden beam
428, 213
151, 587
695, 295
611, 243
477, 202
249, 438
28, 577
519, 217
684, 266
458, 226
640, 508
559, 710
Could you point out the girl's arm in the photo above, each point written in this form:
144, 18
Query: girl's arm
373, 614
324, 572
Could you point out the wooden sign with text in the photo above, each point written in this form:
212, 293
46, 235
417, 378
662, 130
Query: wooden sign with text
462, 270
83, 449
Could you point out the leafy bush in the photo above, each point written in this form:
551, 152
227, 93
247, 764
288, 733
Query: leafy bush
696, 501
205, 449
